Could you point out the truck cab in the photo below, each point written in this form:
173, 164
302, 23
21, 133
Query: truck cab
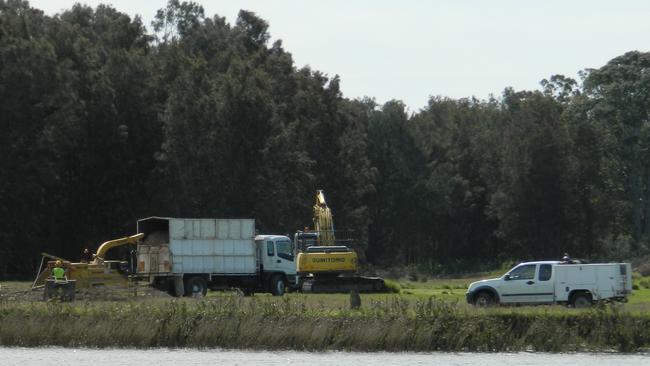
277, 261
530, 282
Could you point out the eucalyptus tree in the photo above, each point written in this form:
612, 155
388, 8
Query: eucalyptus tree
618, 102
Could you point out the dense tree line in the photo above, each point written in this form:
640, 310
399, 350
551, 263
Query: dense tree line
103, 123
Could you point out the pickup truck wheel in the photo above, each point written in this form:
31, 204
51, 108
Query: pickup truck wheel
196, 287
581, 301
483, 300
278, 286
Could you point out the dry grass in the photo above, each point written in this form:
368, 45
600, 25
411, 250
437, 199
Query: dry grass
425, 316
389, 324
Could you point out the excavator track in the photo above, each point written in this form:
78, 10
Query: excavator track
342, 284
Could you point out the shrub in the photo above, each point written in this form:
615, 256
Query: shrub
392, 286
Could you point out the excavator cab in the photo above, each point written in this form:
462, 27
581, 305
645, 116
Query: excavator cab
304, 239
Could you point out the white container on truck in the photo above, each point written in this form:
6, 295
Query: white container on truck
553, 282
189, 256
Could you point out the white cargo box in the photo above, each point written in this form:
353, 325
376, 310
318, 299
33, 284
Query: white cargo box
602, 280
210, 246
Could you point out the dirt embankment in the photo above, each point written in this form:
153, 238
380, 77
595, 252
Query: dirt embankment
21, 292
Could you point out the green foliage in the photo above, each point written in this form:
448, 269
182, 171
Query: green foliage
618, 102
392, 286
104, 123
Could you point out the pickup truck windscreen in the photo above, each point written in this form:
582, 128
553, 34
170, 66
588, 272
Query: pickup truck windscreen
525, 272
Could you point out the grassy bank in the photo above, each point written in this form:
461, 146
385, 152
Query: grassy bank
429, 315
391, 324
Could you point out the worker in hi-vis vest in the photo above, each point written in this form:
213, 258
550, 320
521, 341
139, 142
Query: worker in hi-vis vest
58, 272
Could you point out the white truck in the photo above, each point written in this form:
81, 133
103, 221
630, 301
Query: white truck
554, 282
186, 257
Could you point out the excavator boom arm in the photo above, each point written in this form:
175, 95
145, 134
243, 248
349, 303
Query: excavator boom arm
323, 223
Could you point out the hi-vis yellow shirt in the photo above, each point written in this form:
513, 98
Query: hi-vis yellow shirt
59, 273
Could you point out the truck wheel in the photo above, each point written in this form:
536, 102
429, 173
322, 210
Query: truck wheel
581, 301
165, 286
277, 285
483, 300
196, 287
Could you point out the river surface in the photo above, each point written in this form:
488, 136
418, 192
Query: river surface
182, 357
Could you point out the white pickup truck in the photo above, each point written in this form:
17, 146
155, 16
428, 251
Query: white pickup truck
553, 282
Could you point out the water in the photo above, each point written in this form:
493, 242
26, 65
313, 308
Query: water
182, 357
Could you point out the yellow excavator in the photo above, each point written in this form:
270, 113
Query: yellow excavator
99, 271
324, 264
